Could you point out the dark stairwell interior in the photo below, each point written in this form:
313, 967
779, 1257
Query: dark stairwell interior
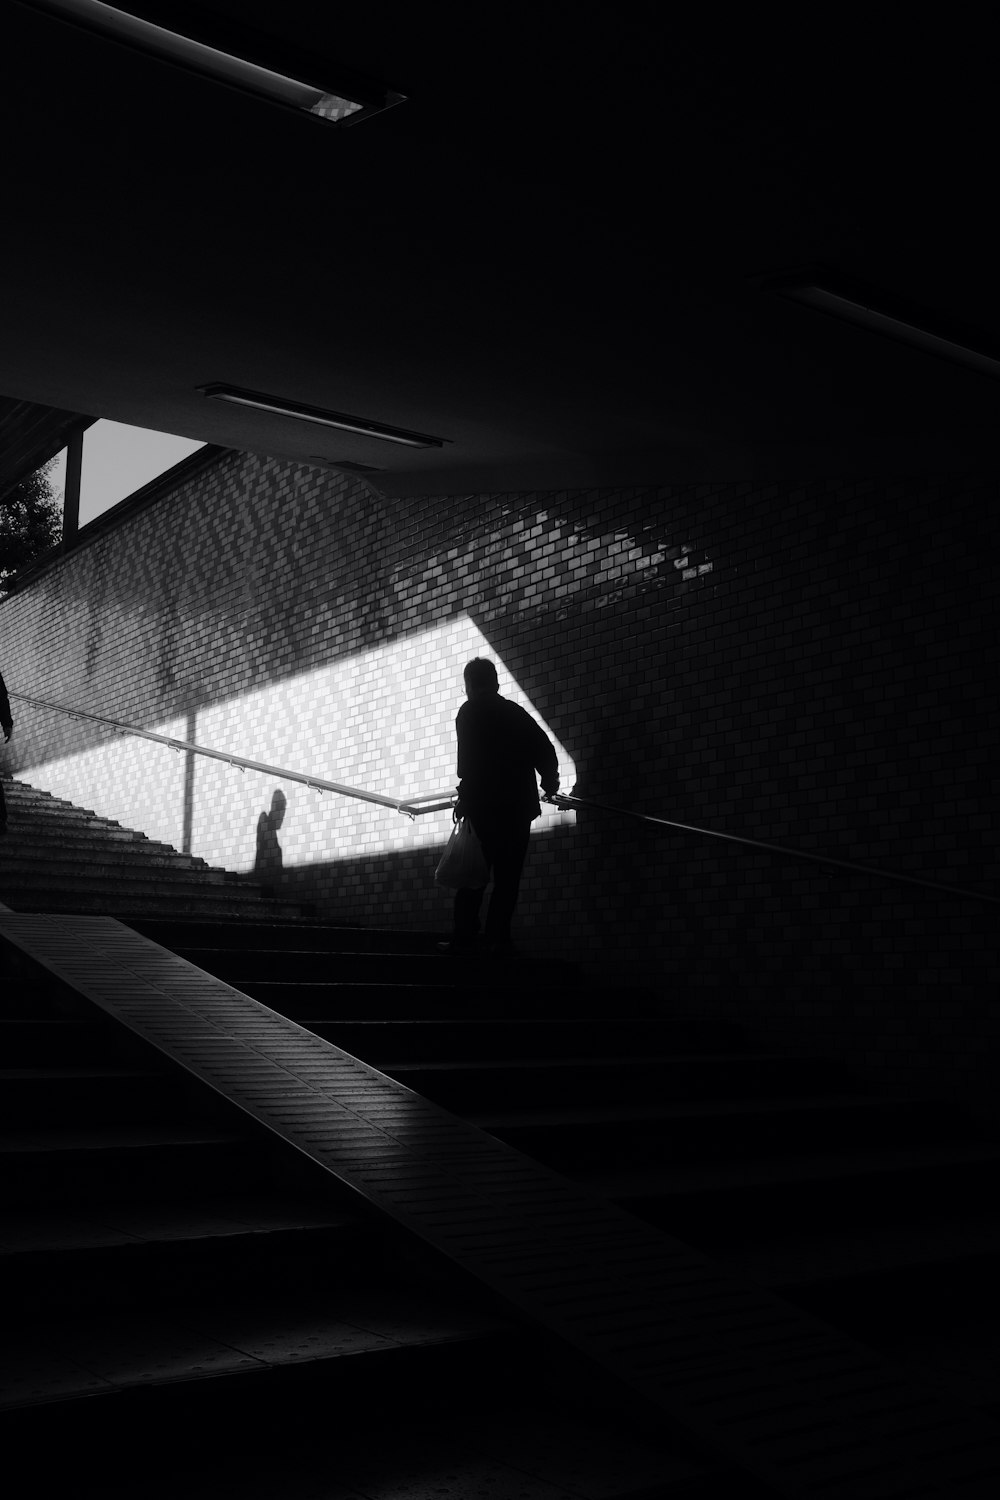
175, 1273
874, 1213
185, 1287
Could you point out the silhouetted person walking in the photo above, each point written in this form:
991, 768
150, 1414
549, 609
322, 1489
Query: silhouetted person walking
500, 747
7, 724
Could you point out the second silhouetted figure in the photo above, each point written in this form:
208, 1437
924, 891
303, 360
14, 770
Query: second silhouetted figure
500, 747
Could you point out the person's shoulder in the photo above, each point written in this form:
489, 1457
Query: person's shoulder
508, 707
468, 718
515, 711
519, 721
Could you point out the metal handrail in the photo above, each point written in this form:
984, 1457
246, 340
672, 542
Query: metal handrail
413, 807
407, 806
569, 803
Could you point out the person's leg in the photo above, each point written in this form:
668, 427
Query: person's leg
509, 847
466, 915
3, 811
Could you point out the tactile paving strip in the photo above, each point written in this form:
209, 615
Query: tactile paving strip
765, 1385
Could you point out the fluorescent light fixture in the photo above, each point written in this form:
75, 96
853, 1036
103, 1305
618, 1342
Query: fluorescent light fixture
342, 463
326, 103
883, 313
276, 406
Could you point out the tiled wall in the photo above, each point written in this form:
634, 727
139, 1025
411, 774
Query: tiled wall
811, 666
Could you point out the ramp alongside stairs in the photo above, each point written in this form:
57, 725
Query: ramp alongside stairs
876, 1215
775, 1392
172, 1255
188, 1309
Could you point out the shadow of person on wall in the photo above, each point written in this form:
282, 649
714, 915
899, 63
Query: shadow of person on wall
268, 864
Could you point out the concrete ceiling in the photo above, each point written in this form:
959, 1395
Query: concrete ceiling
542, 256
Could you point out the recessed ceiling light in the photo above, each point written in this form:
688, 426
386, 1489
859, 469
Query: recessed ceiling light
277, 406
328, 103
884, 313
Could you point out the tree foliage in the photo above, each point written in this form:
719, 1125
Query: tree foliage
30, 522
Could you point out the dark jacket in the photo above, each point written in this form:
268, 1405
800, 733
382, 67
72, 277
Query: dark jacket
500, 747
6, 722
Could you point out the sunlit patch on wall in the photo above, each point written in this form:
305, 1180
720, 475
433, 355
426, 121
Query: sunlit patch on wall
131, 781
382, 720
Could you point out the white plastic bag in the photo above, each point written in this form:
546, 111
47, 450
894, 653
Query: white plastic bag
463, 865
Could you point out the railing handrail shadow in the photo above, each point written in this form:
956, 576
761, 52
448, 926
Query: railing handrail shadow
571, 803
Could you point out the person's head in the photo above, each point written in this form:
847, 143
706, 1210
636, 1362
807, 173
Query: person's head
277, 809
480, 678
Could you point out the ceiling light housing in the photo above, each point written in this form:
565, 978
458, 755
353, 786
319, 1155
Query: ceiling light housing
344, 99
849, 300
348, 467
279, 407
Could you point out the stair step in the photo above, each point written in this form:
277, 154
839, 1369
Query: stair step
121, 857
489, 1037
20, 794
142, 1088
877, 1251
286, 971
919, 1291
144, 877
547, 1083
125, 902
449, 999
29, 1039
40, 833
75, 829
54, 810
194, 938
960, 1356
577, 1139
409, 1420
51, 825
418, 964
125, 1223
83, 1164
104, 1094
101, 1354
518, 1452
809, 1193
144, 882
164, 1255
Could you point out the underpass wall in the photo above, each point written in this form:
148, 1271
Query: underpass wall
810, 665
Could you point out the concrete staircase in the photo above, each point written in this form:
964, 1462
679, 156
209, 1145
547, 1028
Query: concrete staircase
880, 1216
175, 1274
186, 1303
57, 857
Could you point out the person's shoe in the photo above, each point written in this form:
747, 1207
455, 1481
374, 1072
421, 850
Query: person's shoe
457, 946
